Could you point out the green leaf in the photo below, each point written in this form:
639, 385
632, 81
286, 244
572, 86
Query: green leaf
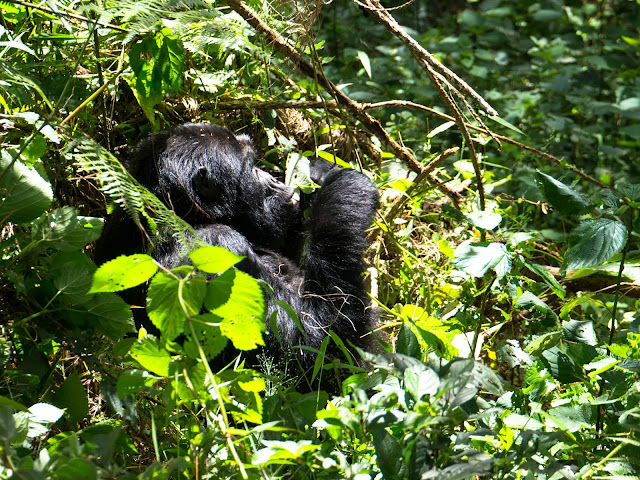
593, 242
548, 278
562, 366
24, 194
407, 343
151, 355
477, 260
72, 272
237, 298
510, 126
388, 455
132, 381
73, 398
214, 259
113, 315
63, 229
165, 302
572, 418
565, 200
366, 63
485, 220
124, 272
440, 128
41, 417
7, 425
207, 328
580, 332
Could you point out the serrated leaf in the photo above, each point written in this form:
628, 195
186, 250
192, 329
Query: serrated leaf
593, 242
124, 272
485, 220
24, 194
564, 199
132, 381
572, 418
73, 398
580, 332
214, 259
237, 298
148, 353
212, 341
165, 302
113, 315
477, 260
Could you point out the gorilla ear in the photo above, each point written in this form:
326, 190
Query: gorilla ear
247, 151
204, 185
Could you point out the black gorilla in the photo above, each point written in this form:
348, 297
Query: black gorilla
312, 260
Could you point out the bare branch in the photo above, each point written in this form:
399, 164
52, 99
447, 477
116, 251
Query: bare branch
355, 108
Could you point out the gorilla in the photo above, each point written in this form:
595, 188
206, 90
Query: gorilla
309, 251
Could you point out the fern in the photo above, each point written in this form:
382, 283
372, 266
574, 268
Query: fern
125, 191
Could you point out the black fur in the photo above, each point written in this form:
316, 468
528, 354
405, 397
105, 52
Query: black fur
206, 174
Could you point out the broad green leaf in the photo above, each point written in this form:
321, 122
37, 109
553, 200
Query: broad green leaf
167, 302
24, 194
528, 301
7, 423
563, 367
593, 242
547, 277
63, 229
212, 341
580, 331
72, 272
237, 298
213, 259
477, 260
7, 402
388, 455
41, 417
407, 343
565, 200
124, 272
113, 315
72, 396
421, 380
132, 381
366, 63
485, 220
572, 418
151, 355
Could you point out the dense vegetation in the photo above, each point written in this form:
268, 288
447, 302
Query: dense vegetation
504, 264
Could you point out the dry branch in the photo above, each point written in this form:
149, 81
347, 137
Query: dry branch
355, 108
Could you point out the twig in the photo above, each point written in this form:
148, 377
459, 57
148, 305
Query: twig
435, 70
380, 12
65, 14
355, 108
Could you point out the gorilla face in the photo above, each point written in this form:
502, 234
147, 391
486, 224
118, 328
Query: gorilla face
206, 174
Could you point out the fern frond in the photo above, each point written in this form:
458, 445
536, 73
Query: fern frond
124, 190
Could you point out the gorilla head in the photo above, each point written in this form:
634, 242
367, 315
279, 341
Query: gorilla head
207, 175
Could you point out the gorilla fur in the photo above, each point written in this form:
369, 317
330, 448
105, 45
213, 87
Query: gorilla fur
312, 260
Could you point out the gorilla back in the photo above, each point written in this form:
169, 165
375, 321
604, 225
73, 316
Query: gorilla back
206, 174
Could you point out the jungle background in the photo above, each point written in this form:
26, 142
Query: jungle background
504, 139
